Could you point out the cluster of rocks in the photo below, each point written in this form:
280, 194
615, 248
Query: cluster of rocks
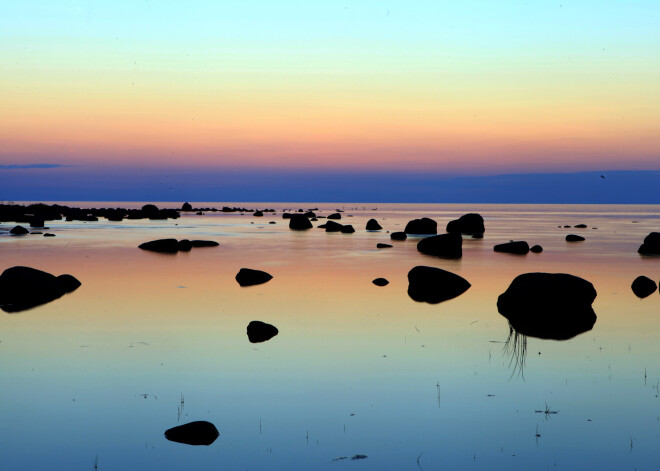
174, 246
37, 214
332, 226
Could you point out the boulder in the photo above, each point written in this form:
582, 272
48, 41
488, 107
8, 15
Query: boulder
380, 282
549, 305
372, 225
643, 286
443, 245
536, 249
421, 226
23, 288
346, 229
258, 213
161, 246
204, 243
186, 207
299, 222
184, 245
334, 216
398, 236
580, 226
193, 433
332, 226
651, 245
574, 238
249, 277
19, 230
383, 246
434, 285
258, 331
471, 223
519, 247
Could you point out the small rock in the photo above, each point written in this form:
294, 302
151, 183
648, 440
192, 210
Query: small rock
372, 225
580, 226
574, 238
249, 277
421, 226
161, 246
383, 246
334, 216
643, 286
258, 213
536, 249
380, 282
186, 207
193, 433
48, 234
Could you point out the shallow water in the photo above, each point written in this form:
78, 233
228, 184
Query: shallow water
151, 341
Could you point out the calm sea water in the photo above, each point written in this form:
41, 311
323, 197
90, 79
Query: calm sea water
151, 341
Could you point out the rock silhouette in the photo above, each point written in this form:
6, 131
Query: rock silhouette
346, 229
332, 226
643, 286
651, 245
383, 246
519, 247
193, 433
549, 305
250, 277
258, 331
398, 236
471, 223
184, 245
434, 285
258, 213
299, 222
204, 243
372, 225
443, 245
380, 282
22, 288
574, 238
19, 230
421, 226
536, 249
161, 246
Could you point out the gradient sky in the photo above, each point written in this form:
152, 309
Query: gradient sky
470, 87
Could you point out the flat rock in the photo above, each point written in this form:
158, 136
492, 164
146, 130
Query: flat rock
443, 245
580, 226
334, 216
643, 286
383, 246
299, 222
346, 229
331, 226
471, 223
204, 243
193, 433
249, 277
258, 331
372, 225
381, 282
519, 247
161, 246
22, 288
398, 236
574, 238
651, 245
434, 285
421, 226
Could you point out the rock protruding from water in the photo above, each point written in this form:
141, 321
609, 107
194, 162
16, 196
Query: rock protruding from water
643, 286
299, 222
434, 285
18, 230
372, 225
258, 331
519, 247
443, 245
549, 305
383, 246
471, 223
250, 277
651, 245
574, 238
161, 246
398, 236
332, 226
193, 433
536, 249
184, 245
347, 229
186, 207
22, 288
334, 216
381, 282
204, 243
421, 226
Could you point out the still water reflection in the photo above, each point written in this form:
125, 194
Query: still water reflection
150, 341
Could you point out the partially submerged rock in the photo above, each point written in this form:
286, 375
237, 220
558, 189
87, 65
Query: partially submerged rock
651, 245
574, 238
299, 222
193, 433
258, 331
383, 246
549, 305
347, 229
250, 277
421, 226
381, 282
161, 246
258, 213
434, 285
471, 223
184, 245
443, 245
398, 236
22, 288
19, 230
372, 225
332, 226
519, 247
643, 286
204, 243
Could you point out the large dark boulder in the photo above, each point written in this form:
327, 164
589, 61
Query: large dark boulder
471, 223
37, 221
186, 207
443, 245
299, 222
421, 226
334, 216
651, 245
574, 238
193, 433
398, 236
372, 225
204, 243
536, 249
23, 288
161, 246
434, 285
19, 230
332, 226
519, 247
258, 331
346, 228
249, 277
549, 305
643, 286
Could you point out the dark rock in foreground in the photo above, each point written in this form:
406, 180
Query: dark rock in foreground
383, 246
421, 226
651, 245
249, 277
574, 238
398, 236
643, 286
536, 249
434, 285
258, 331
19, 230
193, 433
23, 288
519, 247
372, 225
549, 305
443, 245
161, 246
580, 226
332, 226
299, 222
471, 223
204, 243
381, 282
346, 228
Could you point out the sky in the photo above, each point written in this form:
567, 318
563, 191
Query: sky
103, 90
